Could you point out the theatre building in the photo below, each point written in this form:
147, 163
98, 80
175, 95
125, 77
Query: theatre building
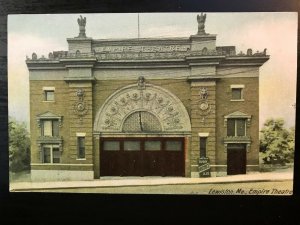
144, 107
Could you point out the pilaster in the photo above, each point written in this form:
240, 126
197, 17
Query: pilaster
203, 119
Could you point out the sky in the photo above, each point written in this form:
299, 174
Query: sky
277, 31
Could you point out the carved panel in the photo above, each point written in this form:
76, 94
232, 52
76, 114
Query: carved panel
166, 107
80, 107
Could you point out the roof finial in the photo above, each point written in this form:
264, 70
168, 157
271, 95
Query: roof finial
81, 22
201, 24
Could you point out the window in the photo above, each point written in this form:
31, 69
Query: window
111, 146
132, 145
237, 92
173, 145
50, 128
50, 154
203, 141
49, 95
80, 147
236, 127
152, 145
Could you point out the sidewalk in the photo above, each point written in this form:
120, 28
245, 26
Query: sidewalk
149, 181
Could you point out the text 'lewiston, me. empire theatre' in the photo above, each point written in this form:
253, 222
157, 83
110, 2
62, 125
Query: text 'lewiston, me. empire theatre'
144, 107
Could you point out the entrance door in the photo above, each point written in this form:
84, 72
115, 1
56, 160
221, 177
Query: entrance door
130, 158
142, 157
153, 158
236, 159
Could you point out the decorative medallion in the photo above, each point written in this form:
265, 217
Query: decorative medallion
204, 106
80, 107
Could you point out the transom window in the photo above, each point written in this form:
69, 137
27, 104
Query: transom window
173, 145
236, 127
132, 145
141, 122
152, 145
111, 146
148, 144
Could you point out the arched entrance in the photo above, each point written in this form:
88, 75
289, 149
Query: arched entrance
142, 131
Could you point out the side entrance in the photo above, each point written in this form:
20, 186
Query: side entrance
236, 159
142, 156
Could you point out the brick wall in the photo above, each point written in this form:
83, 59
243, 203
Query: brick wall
38, 106
203, 122
80, 124
219, 100
250, 106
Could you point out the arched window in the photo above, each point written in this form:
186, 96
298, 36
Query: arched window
141, 121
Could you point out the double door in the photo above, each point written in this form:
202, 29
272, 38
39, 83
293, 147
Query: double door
142, 157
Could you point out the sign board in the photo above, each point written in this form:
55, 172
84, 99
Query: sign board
204, 167
150, 48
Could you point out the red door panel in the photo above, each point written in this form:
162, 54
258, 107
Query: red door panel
142, 157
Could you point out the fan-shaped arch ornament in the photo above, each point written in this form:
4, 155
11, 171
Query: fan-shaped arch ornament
165, 106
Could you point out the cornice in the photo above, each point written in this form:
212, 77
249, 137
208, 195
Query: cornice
188, 61
245, 60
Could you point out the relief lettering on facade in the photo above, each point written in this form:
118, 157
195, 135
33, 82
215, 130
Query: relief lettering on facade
154, 48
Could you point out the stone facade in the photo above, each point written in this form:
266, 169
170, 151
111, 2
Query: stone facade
186, 84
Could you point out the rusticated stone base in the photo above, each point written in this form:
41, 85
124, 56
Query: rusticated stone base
61, 175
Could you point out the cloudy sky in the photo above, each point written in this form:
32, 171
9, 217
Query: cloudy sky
275, 31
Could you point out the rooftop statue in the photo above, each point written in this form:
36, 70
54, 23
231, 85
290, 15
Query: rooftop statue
81, 22
201, 21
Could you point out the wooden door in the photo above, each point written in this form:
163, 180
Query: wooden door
153, 158
131, 157
236, 159
142, 157
174, 157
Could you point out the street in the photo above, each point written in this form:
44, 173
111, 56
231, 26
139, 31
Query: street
241, 188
